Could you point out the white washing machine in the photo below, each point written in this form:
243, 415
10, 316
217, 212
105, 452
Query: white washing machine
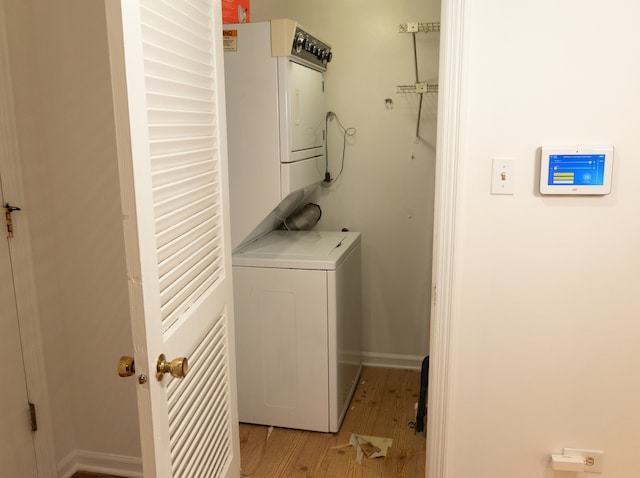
298, 328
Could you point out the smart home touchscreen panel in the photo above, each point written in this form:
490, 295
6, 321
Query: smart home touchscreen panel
576, 170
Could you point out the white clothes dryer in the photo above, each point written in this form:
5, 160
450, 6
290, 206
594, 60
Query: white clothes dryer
298, 328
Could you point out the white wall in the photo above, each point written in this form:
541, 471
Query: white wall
386, 189
60, 68
546, 324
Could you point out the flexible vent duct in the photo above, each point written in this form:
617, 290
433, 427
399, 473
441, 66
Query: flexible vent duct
303, 219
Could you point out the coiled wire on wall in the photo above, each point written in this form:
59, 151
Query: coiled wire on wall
345, 132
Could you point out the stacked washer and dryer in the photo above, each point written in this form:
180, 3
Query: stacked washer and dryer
297, 294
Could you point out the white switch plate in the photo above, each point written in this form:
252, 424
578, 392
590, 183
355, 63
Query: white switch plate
503, 176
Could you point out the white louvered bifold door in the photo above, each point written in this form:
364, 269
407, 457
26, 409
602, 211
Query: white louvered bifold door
166, 60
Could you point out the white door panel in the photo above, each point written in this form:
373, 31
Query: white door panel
169, 101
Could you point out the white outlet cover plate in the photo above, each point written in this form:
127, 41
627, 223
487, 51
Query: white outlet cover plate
597, 455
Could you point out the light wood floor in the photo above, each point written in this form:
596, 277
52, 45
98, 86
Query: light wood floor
88, 474
382, 406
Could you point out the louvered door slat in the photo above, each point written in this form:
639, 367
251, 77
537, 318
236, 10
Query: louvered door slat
176, 130
179, 230
163, 149
164, 41
204, 228
192, 291
173, 21
200, 430
173, 87
177, 102
190, 14
159, 68
156, 54
180, 164
188, 459
194, 163
183, 424
159, 116
168, 193
177, 278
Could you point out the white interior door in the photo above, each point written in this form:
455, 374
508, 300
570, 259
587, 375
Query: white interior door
17, 452
166, 60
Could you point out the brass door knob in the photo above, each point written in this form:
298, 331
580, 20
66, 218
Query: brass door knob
126, 366
178, 368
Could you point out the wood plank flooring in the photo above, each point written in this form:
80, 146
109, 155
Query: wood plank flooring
382, 406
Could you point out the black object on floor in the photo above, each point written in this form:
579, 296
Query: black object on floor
422, 400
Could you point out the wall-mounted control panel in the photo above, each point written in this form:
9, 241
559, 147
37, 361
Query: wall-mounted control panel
576, 170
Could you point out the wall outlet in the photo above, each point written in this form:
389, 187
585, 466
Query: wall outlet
592, 458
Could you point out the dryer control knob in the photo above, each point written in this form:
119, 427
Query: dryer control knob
299, 42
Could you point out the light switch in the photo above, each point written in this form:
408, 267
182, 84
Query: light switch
503, 176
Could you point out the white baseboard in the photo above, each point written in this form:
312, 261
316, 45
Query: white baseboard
411, 362
108, 464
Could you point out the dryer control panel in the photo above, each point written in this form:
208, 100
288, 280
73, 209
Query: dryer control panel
311, 49
290, 39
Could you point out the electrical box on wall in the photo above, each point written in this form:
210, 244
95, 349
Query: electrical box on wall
576, 170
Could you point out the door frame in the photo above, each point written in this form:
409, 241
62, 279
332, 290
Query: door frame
23, 271
448, 197
447, 200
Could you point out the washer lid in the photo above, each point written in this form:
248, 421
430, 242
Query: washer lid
323, 250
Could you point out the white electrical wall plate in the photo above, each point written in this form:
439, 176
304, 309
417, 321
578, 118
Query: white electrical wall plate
503, 176
578, 460
593, 459
576, 170
567, 463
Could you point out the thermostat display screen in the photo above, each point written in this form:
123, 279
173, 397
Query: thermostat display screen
576, 170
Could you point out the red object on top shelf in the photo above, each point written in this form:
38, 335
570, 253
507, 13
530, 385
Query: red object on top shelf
235, 11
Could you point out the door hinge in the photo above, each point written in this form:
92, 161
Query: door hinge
7, 216
32, 414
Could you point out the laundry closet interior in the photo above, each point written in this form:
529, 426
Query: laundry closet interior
380, 144
386, 188
345, 83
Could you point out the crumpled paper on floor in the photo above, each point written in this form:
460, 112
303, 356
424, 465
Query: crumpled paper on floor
371, 447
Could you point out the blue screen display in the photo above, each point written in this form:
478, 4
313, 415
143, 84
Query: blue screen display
576, 170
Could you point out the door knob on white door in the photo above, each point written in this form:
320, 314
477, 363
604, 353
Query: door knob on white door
178, 367
126, 366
